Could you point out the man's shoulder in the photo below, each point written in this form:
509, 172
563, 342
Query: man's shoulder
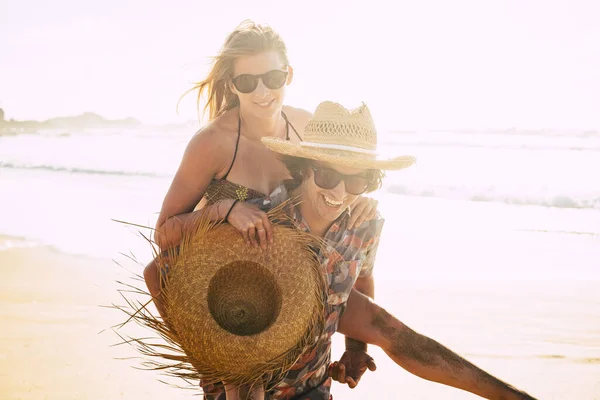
366, 233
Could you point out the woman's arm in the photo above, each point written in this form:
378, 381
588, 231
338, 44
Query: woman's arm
203, 159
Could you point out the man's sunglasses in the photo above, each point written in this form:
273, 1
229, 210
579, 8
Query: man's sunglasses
327, 178
247, 83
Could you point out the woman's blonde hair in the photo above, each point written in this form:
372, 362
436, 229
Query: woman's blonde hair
248, 38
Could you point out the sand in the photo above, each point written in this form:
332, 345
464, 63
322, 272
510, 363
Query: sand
541, 337
50, 343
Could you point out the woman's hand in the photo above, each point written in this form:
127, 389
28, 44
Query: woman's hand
252, 223
363, 209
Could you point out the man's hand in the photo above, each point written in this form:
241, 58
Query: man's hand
351, 367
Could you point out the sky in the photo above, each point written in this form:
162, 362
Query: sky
417, 64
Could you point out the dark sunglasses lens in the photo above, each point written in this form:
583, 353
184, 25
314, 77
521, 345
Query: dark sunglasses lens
274, 79
246, 83
356, 184
326, 178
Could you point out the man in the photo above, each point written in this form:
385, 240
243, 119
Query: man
335, 164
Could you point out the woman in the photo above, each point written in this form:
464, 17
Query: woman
225, 162
226, 171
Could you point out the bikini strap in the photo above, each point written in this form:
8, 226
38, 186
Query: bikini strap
287, 128
237, 143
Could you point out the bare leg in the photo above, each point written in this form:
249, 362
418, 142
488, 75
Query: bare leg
152, 278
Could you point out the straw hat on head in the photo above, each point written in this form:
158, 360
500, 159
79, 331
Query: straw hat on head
340, 136
236, 313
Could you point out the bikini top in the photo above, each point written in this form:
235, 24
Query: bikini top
221, 188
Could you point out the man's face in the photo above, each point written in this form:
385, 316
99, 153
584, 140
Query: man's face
329, 189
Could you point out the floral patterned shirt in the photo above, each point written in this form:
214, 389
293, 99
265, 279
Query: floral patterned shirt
348, 255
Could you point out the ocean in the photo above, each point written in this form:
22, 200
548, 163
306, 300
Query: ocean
478, 205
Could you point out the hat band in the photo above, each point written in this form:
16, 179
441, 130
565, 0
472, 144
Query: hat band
338, 147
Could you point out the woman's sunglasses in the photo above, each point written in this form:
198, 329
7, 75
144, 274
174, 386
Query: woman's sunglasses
247, 83
327, 178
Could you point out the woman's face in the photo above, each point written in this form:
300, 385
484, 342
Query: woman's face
266, 100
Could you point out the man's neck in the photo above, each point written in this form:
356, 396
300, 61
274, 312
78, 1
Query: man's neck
254, 127
316, 224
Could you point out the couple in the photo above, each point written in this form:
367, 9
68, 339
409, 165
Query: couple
330, 160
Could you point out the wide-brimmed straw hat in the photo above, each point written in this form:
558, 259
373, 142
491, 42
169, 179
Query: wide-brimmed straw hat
340, 136
237, 313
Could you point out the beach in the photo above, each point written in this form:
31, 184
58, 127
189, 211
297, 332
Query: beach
491, 240
543, 337
56, 341
498, 261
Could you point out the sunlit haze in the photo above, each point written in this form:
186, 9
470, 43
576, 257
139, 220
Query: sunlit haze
425, 64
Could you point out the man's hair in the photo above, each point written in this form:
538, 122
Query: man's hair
299, 167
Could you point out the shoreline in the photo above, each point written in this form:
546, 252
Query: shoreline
529, 232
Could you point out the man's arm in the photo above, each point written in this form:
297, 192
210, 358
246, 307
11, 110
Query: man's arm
418, 354
355, 360
366, 286
365, 283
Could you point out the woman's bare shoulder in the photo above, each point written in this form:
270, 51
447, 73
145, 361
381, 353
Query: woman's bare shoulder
297, 113
216, 135
298, 117
210, 148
